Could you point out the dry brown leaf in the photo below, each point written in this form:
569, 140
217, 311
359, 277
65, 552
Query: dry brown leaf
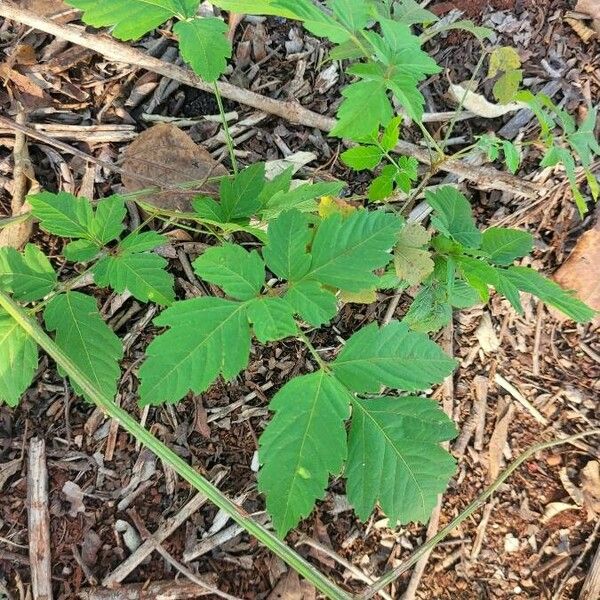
290, 587
45, 8
582, 30
165, 153
590, 486
589, 7
581, 271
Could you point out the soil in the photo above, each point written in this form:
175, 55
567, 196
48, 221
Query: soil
525, 553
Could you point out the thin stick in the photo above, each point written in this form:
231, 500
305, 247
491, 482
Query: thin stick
392, 575
484, 177
183, 469
39, 521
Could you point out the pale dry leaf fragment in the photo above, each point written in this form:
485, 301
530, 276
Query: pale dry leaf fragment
581, 29
554, 508
290, 587
166, 154
581, 271
511, 543
74, 496
45, 8
571, 489
485, 334
590, 487
589, 7
478, 105
296, 161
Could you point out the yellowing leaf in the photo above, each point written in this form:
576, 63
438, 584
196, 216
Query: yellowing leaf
413, 263
362, 297
502, 60
328, 205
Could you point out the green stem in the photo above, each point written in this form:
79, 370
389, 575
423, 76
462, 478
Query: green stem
228, 137
423, 550
304, 339
184, 470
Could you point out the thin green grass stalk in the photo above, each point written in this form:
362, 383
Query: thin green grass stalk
184, 470
228, 137
404, 566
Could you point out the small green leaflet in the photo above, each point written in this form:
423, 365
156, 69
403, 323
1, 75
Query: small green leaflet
81, 251
394, 457
503, 246
302, 198
345, 252
315, 304
410, 12
286, 249
240, 273
430, 310
239, 196
69, 216
453, 216
29, 275
86, 339
204, 45
273, 319
365, 107
528, 280
62, 214
131, 19
141, 274
360, 158
207, 337
18, 360
413, 264
584, 140
303, 444
392, 356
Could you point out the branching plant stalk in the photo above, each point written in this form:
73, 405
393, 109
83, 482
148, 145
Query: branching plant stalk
105, 403
392, 575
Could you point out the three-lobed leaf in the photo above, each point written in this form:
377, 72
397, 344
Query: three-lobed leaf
395, 458
28, 275
204, 46
302, 445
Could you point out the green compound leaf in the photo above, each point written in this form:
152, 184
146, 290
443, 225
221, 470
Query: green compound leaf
62, 214
362, 157
346, 251
241, 274
207, 337
141, 274
394, 457
315, 304
503, 245
86, 339
532, 282
412, 263
453, 216
29, 275
18, 360
273, 319
392, 356
352, 14
303, 444
132, 19
204, 45
431, 308
285, 252
364, 108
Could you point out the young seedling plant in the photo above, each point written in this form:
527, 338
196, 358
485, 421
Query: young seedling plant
358, 412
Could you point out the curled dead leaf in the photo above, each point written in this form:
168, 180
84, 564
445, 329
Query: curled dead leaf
590, 487
479, 105
168, 155
581, 271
